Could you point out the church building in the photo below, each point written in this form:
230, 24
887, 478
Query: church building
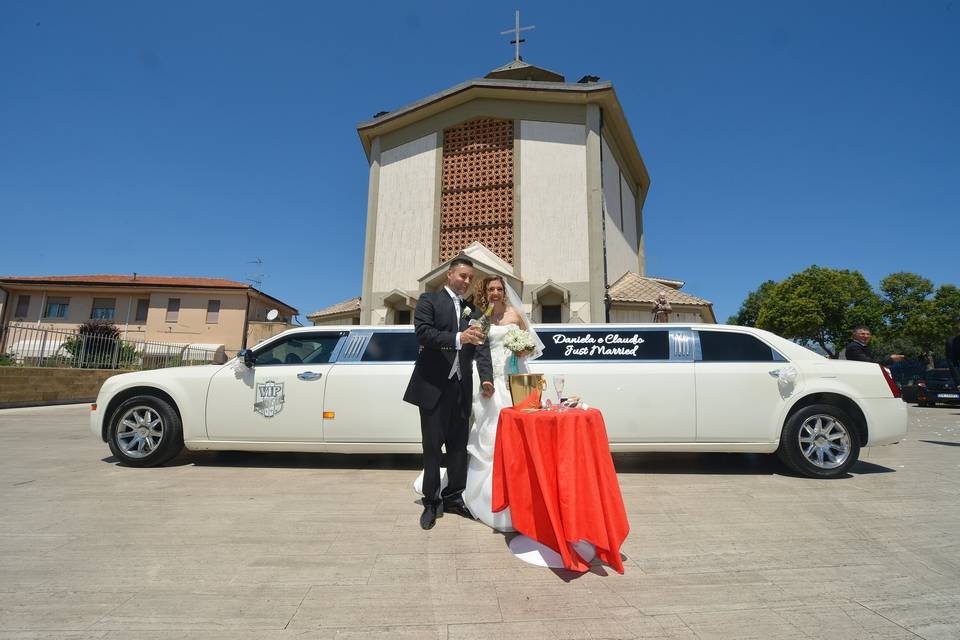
534, 178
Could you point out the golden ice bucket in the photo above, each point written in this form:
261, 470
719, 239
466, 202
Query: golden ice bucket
526, 389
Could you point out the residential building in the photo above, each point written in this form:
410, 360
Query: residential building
172, 309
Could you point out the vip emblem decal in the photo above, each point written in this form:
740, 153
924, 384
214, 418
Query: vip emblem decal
269, 398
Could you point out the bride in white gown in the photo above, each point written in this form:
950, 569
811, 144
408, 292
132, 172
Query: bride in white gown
507, 314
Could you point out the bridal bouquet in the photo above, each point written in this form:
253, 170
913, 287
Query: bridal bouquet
520, 342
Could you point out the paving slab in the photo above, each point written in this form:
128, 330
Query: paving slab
271, 546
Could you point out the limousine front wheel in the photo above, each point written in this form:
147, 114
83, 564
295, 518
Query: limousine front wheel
145, 431
820, 441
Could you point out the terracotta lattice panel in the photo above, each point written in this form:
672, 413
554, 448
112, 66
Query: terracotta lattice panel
477, 188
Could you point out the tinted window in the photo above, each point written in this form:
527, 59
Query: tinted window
581, 344
300, 349
938, 375
723, 346
391, 347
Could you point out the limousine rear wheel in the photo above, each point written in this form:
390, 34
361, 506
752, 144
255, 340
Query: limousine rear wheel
145, 431
820, 441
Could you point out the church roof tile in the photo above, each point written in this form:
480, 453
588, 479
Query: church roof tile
633, 287
347, 306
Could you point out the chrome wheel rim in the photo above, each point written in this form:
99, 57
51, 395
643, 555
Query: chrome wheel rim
139, 431
824, 441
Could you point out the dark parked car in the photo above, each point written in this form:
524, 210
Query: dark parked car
937, 386
910, 390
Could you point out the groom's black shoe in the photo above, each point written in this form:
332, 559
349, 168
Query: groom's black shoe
458, 508
429, 516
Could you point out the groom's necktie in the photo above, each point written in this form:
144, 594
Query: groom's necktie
455, 369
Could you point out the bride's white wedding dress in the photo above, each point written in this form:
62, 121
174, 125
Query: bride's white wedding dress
478, 495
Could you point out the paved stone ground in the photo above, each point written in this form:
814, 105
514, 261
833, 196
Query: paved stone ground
244, 546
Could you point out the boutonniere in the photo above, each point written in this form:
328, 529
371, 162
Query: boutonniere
466, 312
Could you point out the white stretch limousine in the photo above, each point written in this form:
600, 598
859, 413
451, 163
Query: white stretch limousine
660, 387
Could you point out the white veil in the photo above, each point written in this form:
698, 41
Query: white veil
517, 305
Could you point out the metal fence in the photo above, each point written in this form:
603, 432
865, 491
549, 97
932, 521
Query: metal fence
29, 346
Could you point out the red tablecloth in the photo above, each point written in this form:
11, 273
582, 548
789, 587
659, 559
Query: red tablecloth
554, 471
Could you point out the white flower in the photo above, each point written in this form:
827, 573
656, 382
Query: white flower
466, 311
519, 341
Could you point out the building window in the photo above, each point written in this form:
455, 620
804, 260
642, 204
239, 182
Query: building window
23, 306
213, 311
550, 314
143, 305
56, 308
103, 308
173, 309
402, 316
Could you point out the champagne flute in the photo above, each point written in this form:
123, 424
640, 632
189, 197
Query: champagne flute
558, 382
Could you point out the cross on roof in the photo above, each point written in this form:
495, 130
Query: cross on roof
516, 35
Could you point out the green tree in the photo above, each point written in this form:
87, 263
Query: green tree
750, 309
821, 306
918, 320
904, 296
946, 306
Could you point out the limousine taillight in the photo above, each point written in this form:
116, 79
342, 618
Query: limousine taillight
894, 388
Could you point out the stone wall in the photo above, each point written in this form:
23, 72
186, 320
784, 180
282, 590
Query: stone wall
31, 386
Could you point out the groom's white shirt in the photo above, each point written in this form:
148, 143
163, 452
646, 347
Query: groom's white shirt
455, 370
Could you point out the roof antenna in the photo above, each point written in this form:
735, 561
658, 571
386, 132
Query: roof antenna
257, 279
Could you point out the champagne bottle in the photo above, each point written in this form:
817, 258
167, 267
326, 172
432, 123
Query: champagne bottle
483, 321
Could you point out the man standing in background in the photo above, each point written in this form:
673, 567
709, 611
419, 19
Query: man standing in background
859, 349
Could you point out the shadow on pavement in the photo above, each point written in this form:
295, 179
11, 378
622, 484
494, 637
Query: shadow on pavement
943, 442
722, 464
290, 460
862, 468
699, 463
639, 463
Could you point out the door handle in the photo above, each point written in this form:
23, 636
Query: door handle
775, 373
309, 375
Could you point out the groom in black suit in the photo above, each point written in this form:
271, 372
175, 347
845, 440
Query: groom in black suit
442, 387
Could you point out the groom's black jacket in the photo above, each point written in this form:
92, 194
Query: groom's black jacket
436, 328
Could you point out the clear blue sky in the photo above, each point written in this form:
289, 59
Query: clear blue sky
188, 138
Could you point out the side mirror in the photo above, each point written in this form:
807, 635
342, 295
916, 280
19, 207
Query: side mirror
247, 357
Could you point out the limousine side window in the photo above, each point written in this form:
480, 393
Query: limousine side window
600, 345
390, 346
300, 349
726, 346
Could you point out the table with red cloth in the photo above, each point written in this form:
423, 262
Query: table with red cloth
554, 470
